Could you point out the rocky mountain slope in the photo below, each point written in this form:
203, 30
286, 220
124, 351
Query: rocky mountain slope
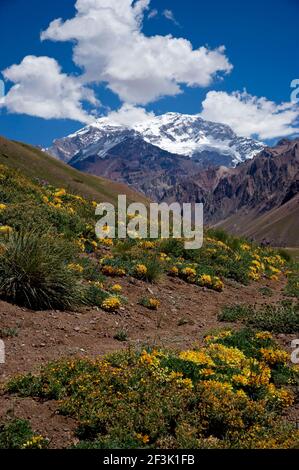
259, 198
141, 165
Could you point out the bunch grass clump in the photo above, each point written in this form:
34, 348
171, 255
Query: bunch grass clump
34, 271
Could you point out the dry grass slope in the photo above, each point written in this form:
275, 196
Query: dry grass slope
36, 164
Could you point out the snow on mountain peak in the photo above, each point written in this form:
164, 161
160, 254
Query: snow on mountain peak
181, 134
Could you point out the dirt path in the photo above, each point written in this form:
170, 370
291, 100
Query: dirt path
185, 315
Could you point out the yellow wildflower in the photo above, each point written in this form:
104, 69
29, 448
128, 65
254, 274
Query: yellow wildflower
76, 267
36, 442
143, 438
245, 247
205, 280
61, 192
140, 269
113, 271
274, 356
218, 284
116, 288
5, 229
199, 357
263, 335
106, 241
174, 271
154, 303
240, 379
111, 304
148, 244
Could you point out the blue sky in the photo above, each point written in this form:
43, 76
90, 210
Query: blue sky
261, 44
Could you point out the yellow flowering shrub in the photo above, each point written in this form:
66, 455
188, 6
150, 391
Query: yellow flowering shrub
274, 356
189, 274
36, 442
150, 303
140, 270
199, 357
110, 270
16, 433
219, 396
147, 244
211, 282
174, 271
116, 288
111, 304
154, 304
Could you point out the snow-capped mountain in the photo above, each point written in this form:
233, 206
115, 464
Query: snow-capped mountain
191, 135
97, 138
206, 142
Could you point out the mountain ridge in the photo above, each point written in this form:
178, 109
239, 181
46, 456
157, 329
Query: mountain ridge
181, 134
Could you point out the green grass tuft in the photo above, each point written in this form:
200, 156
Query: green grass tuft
34, 272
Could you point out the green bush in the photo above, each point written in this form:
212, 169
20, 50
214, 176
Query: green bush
266, 291
278, 319
292, 287
91, 270
17, 434
34, 272
14, 434
172, 246
282, 318
234, 313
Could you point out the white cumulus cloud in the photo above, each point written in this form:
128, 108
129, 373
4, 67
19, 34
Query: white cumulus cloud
129, 115
41, 89
251, 116
111, 48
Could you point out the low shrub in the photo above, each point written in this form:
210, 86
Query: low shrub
278, 319
121, 335
17, 434
234, 313
150, 302
292, 287
226, 394
282, 318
